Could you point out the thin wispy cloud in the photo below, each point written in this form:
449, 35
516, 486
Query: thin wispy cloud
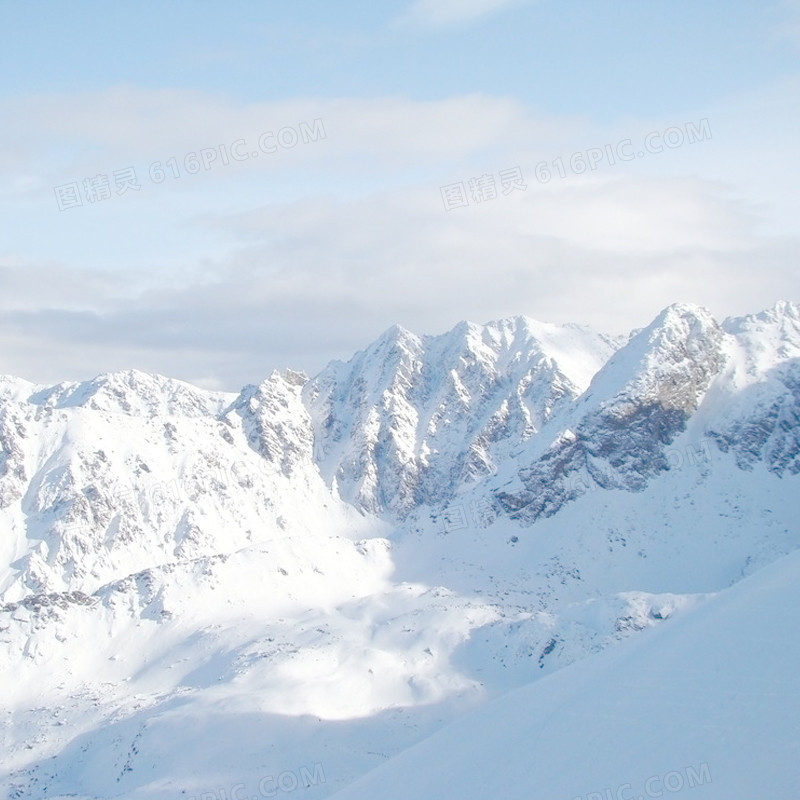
439, 13
788, 27
316, 280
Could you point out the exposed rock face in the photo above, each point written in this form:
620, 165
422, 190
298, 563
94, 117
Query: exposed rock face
736, 385
411, 419
617, 434
763, 424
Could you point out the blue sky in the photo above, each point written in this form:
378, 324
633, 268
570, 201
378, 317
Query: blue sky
216, 269
586, 58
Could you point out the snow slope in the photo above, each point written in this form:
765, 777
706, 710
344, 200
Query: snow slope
705, 706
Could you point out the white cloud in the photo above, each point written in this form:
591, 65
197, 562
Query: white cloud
294, 260
437, 13
118, 126
319, 280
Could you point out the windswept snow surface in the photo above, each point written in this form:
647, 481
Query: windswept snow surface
704, 707
315, 581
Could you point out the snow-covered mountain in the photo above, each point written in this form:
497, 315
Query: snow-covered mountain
683, 377
411, 419
287, 588
129, 472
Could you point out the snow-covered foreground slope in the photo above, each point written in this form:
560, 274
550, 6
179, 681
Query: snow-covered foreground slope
209, 676
177, 684
704, 707
286, 588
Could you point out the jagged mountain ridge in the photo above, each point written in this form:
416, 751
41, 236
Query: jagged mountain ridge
130, 471
410, 419
83, 510
735, 385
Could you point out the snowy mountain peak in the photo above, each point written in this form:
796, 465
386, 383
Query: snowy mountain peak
134, 393
757, 405
669, 362
616, 435
395, 339
411, 419
784, 313
769, 336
